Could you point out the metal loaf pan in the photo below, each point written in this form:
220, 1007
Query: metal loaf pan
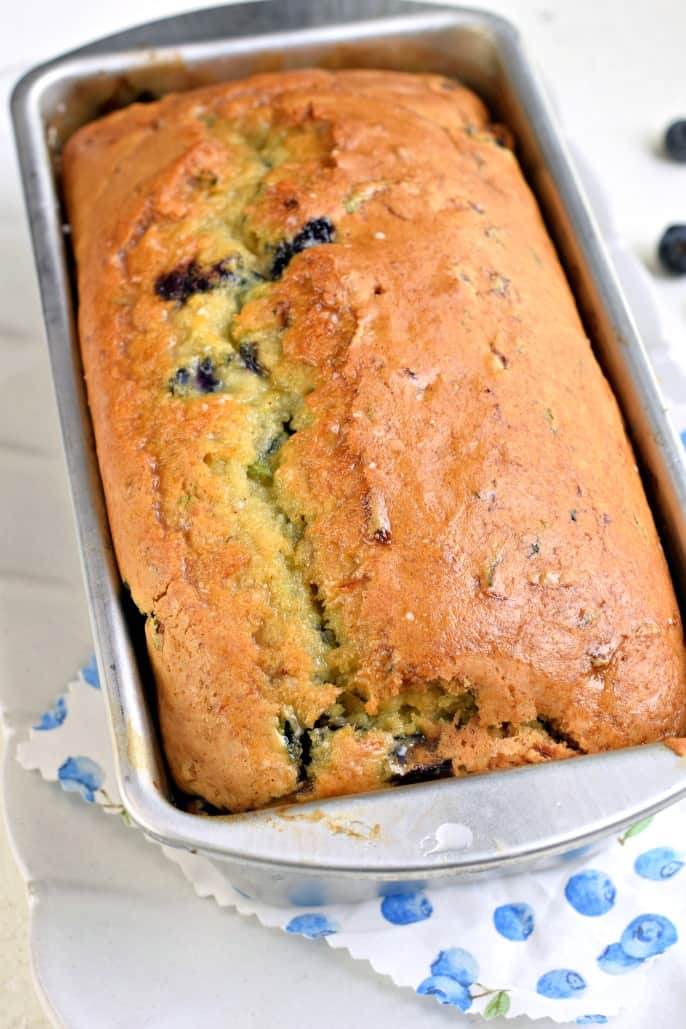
352, 846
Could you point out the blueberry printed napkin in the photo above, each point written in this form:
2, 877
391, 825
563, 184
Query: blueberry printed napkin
574, 943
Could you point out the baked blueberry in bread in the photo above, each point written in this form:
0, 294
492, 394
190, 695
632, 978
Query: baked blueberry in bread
364, 476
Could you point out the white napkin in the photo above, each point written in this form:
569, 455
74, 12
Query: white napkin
573, 943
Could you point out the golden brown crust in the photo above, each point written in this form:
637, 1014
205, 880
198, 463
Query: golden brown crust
458, 508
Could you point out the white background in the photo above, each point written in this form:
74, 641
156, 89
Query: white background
618, 73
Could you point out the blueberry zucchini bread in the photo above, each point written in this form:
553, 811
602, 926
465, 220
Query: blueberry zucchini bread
365, 479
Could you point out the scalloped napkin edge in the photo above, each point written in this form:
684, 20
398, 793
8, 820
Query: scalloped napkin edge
571, 943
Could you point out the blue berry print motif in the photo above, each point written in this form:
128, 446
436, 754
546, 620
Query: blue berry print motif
81, 775
659, 863
452, 973
591, 1020
406, 908
514, 921
614, 961
560, 984
53, 718
647, 936
457, 964
590, 893
90, 674
643, 938
312, 926
446, 991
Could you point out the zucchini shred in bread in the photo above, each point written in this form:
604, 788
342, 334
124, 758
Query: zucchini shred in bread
364, 476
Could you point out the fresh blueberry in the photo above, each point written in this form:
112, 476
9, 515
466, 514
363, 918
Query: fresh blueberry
659, 863
406, 908
648, 935
560, 984
53, 718
514, 921
672, 249
446, 991
312, 926
675, 140
615, 961
458, 964
316, 232
81, 775
591, 1020
590, 893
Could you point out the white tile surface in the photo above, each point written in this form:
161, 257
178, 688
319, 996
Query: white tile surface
619, 75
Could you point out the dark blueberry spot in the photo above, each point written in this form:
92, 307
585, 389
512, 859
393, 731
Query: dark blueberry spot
404, 745
146, 96
284, 253
298, 744
672, 249
534, 549
292, 734
181, 283
320, 230
305, 756
314, 233
179, 380
328, 636
675, 140
185, 280
424, 773
382, 535
572, 515
205, 379
250, 358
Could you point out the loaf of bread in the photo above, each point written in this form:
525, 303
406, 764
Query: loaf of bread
365, 479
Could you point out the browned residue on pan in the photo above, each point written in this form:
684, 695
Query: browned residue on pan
356, 830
